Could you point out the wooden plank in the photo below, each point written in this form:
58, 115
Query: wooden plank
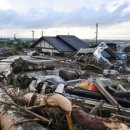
104, 92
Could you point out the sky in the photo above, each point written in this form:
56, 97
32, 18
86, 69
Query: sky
63, 17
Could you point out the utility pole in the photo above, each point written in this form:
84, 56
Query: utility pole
42, 33
96, 33
14, 36
33, 34
57, 32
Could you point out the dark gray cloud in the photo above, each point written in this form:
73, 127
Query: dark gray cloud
49, 18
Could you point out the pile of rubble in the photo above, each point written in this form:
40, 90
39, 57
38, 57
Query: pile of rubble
54, 94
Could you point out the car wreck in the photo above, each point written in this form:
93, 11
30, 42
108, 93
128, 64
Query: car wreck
102, 57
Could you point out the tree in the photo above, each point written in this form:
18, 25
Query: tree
127, 49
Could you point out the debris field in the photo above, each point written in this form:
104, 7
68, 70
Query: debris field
61, 93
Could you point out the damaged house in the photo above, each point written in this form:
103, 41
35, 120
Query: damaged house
61, 44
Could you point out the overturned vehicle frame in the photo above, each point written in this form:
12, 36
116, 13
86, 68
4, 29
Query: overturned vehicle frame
101, 57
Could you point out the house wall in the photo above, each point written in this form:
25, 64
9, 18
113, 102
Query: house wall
46, 47
112, 46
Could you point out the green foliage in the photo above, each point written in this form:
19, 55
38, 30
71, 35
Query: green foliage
19, 44
127, 49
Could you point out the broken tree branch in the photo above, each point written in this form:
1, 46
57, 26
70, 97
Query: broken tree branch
43, 119
97, 107
26, 121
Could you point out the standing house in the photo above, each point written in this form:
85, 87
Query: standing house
61, 44
112, 46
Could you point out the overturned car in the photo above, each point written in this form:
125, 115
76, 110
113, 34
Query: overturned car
101, 57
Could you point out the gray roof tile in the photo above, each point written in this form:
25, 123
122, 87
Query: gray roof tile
63, 43
73, 41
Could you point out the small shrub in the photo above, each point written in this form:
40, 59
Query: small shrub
127, 49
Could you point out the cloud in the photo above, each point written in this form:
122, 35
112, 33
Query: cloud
83, 16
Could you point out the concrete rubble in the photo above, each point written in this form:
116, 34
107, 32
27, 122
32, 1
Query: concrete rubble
87, 91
